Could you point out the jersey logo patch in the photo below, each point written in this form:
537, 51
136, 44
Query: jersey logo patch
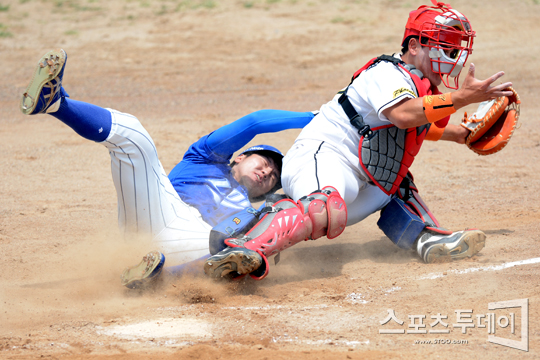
401, 91
236, 220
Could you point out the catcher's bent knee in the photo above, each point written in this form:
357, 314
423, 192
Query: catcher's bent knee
399, 224
327, 211
406, 215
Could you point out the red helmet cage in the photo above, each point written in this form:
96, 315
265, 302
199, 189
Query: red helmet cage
449, 37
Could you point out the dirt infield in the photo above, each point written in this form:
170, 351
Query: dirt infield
186, 67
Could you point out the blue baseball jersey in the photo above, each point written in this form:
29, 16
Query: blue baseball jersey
203, 178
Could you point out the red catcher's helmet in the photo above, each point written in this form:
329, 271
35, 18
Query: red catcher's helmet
449, 38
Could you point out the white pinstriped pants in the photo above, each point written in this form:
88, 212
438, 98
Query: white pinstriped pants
147, 201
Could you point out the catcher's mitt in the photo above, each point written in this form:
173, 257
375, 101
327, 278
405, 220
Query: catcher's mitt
493, 124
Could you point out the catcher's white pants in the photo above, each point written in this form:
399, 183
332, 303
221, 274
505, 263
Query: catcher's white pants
312, 164
147, 201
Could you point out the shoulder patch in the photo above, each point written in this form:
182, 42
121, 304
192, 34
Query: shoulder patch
400, 91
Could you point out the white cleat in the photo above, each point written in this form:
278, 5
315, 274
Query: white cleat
434, 248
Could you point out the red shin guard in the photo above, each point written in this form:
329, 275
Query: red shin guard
321, 213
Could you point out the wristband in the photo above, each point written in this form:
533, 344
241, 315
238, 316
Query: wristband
437, 107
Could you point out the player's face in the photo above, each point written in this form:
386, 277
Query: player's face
426, 68
418, 56
257, 173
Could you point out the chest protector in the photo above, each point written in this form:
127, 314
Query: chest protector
387, 152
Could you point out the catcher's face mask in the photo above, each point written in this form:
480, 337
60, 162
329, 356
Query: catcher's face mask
449, 38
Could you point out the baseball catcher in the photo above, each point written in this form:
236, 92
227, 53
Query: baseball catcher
360, 147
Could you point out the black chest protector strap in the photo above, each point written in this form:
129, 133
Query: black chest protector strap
357, 120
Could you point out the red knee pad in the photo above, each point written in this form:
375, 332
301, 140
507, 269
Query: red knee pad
337, 215
327, 211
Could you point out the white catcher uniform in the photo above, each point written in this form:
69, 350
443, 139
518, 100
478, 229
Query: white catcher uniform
326, 151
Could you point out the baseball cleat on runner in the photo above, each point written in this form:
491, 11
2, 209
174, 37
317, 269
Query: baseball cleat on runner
241, 260
434, 248
44, 92
145, 272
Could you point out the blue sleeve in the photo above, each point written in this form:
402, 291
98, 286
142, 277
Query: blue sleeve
230, 138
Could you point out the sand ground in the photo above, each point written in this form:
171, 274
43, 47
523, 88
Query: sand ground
186, 67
